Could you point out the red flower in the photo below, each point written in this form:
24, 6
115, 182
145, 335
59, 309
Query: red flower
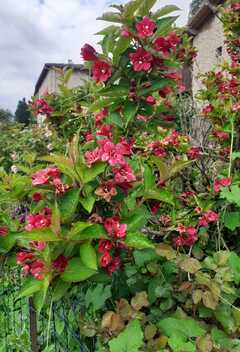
104, 246
181, 229
106, 131
114, 228
101, 71
173, 39
207, 109
193, 153
24, 257
157, 149
221, 135
88, 53
220, 183
116, 262
155, 208
39, 245
141, 60
60, 263
88, 137
164, 92
43, 177
100, 116
93, 156
186, 195
124, 173
145, 28
106, 190
105, 259
150, 100
41, 106
126, 33
166, 44
3, 231
235, 7
37, 221
38, 269
209, 216
37, 196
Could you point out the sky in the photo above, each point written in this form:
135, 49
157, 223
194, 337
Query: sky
34, 32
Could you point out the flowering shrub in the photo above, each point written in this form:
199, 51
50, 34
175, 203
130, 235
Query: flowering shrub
145, 219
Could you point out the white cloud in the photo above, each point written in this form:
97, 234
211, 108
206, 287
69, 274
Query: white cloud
34, 32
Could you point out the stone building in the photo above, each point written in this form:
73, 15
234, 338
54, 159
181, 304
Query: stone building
49, 78
206, 29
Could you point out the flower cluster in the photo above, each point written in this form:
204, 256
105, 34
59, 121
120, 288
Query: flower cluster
3, 231
220, 183
41, 106
208, 217
188, 236
50, 175
40, 220
32, 265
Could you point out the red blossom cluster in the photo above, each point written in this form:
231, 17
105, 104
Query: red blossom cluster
40, 220
50, 175
3, 231
41, 106
32, 265
208, 217
220, 183
221, 135
188, 236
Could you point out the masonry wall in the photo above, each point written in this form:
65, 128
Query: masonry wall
208, 42
51, 82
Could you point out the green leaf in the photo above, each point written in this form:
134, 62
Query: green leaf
235, 155
232, 194
155, 85
114, 118
97, 296
88, 203
131, 7
186, 328
120, 47
130, 340
136, 219
63, 163
138, 241
221, 339
179, 344
68, 205
7, 243
76, 271
232, 220
164, 25
56, 220
129, 112
163, 195
88, 255
179, 165
38, 235
82, 231
165, 10
108, 30
39, 297
163, 167
30, 286
234, 263
88, 174
59, 289
111, 17
146, 6
149, 178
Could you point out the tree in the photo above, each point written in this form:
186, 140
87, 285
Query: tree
5, 115
22, 114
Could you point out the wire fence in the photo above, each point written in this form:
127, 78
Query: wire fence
55, 329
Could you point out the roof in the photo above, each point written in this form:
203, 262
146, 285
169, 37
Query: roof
206, 10
48, 66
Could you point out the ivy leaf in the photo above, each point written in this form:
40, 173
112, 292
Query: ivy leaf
232, 194
163, 11
186, 328
130, 340
76, 271
88, 255
68, 205
138, 241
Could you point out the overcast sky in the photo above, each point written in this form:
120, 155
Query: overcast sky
37, 31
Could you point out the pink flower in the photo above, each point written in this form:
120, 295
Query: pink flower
38, 269
164, 92
24, 257
141, 60
39, 245
104, 246
106, 190
110, 153
235, 7
211, 216
124, 147
126, 33
3, 231
145, 28
60, 263
43, 177
100, 116
37, 196
41, 106
105, 130
220, 183
88, 137
123, 174
150, 100
114, 228
37, 221
191, 231
114, 265
186, 195
101, 71
92, 157
157, 149
207, 109
181, 229
221, 135
88, 53
163, 45
105, 259
193, 153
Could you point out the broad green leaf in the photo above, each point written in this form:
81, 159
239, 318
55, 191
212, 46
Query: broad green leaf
7, 243
235, 155
149, 179
76, 271
59, 289
68, 205
190, 265
111, 17
39, 297
163, 167
145, 7
136, 219
138, 241
90, 233
97, 296
120, 47
234, 263
88, 255
38, 235
179, 344
164, 25
163, 11
30, 286
232, 220
108, 30
88, 203
129, 112
163, 195
77, 229
131, 7
232, 194
114, 118
130, 340
179, 165
88, 174
155, 85
182, 327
